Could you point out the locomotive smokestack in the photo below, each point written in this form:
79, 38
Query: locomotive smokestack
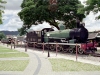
61, 27
78, 23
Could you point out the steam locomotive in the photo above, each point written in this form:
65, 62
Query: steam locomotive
66, 38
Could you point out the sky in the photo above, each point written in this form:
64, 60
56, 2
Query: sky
12, 22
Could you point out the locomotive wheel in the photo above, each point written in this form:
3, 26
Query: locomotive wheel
47, 46
93, 51
80, 51
71, 51
63, 50
59, 48
38, 46
52, 47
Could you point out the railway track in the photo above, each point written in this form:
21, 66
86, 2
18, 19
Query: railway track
96, 54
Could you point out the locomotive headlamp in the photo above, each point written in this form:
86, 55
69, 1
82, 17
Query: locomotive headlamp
48, 34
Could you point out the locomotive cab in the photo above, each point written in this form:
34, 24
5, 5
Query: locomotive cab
98, 39
37, 36
44, 31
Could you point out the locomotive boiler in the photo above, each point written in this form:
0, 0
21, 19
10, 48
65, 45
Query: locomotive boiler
77, 35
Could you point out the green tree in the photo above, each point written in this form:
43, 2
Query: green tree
1, 9
22, 31
37, 11
94, 6
2, 35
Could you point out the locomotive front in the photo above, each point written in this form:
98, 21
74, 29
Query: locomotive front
80, 34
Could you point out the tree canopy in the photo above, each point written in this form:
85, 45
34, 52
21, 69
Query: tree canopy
22, 30
2, 35
93, 5
1, 9
37, 11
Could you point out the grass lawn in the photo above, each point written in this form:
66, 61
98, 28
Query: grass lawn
69, 65
4, 49
13, 65
4, 53
7, 50
20, 54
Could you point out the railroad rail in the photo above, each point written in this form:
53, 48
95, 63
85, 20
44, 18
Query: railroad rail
96, 54
61, 43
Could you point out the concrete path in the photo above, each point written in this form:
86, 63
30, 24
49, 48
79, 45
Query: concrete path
40, 65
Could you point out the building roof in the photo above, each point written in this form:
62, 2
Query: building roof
92, 35
30, 30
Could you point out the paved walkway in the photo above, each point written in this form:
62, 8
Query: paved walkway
40, 65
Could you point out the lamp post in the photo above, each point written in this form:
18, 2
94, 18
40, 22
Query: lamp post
15, 41
48, 44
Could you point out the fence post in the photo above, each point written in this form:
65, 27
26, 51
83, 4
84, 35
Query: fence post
17, 43
43, 47
25, 46
11, 45
14, 45
76, 51
7, 44
56, 48
34, 44
21, 44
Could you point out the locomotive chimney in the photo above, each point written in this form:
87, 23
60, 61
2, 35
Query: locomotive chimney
61, 27
78, 23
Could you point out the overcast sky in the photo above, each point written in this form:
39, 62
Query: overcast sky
12, 22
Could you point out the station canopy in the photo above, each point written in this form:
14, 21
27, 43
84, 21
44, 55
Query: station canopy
30, 30
40, 27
